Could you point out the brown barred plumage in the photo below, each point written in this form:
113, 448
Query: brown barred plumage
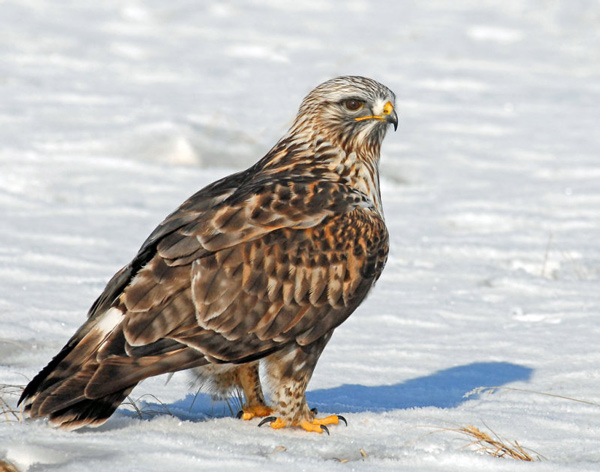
261, 265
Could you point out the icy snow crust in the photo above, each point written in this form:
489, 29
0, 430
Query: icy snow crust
112, 113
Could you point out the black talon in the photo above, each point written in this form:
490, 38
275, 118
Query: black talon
314, 411
341, 418
239, 414
326, 429
268, 419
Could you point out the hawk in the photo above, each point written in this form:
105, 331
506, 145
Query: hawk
258, 268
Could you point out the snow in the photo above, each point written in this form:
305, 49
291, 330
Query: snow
112, 113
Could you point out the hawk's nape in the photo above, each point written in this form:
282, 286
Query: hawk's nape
257, 268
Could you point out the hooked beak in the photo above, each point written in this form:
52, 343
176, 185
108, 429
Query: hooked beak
389, 115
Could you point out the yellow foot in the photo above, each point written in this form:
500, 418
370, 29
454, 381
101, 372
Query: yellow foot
333, 419
250, 412
316, 425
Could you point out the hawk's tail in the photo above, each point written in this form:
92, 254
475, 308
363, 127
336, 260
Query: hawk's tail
59, 390
90, 377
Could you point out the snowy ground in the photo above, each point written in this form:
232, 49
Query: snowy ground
112, 113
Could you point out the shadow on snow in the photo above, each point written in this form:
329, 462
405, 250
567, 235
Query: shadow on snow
442, 389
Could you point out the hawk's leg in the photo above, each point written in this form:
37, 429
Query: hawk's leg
249, 381
289, 373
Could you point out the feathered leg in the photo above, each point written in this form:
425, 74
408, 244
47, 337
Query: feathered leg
289, 373
249, 381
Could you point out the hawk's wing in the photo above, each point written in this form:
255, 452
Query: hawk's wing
235, 281
193, 209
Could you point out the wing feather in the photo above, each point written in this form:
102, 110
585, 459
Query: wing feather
299, 293
245, 280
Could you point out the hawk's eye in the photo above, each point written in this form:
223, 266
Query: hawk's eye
353, 105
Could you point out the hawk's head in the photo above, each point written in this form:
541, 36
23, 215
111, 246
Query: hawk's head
351, 111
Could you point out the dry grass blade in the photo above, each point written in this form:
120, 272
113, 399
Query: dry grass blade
494, 446
491, 390
10, 341
145, 411
235, 403
363, 455
6, 467
10, 413
133, 404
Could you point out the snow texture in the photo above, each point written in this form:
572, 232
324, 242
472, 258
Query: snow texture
112, 113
